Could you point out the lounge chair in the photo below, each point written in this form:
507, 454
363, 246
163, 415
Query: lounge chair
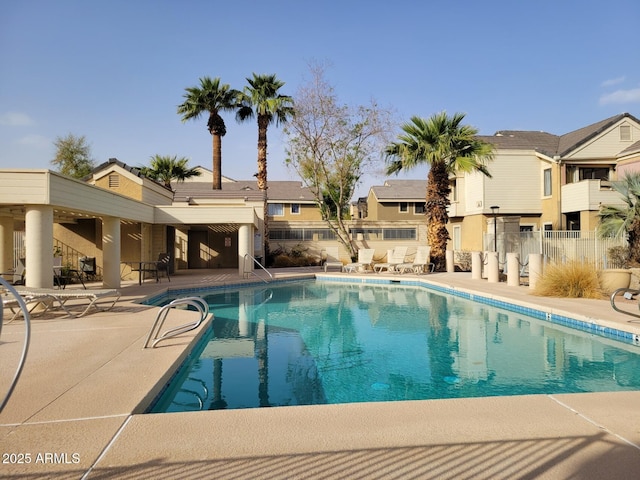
10, 303
364, 263
332, 258
419, 263
394, 257
95, 298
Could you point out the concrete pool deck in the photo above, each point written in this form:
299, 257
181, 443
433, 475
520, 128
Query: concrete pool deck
76, 411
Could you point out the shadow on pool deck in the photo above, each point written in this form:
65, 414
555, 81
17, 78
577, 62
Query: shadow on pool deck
87, 380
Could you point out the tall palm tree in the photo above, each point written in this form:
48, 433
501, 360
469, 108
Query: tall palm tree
166, 168
447, 147
261, 99
212, 97
624, 219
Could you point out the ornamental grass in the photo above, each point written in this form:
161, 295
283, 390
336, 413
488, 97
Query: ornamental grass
569, 280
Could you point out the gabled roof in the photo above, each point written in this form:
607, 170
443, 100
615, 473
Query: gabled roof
549, 144
278, 191
114, 161
400, 190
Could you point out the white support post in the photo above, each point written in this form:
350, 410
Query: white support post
493, 267
535, 269
245, 237
6, 243
450, 262
111, 252
513, 270
39, 246
476, 265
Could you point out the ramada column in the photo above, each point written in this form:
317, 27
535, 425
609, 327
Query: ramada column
111, 252
245, 237
6, 243
39, 246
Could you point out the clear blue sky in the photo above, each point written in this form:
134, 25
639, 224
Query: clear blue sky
115, 71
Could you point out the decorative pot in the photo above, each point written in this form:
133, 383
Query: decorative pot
614, 278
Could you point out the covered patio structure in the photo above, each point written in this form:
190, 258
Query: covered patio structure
120, 228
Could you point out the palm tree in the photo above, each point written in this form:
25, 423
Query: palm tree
166, 168
212, 97
624, 219
261, 99
447, 147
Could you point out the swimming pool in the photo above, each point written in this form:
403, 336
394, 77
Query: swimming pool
317, 342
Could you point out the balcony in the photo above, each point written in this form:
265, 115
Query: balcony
588, 195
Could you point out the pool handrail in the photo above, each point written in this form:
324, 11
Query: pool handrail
27, 337
246, 272
198, 303
624, 291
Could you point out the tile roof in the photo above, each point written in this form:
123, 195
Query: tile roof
278, 191
549, 144
401, 190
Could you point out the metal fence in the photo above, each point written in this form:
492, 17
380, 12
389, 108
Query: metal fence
558, 246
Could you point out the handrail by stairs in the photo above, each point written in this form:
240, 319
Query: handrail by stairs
627, 293
27, 337
154, 334
251, 272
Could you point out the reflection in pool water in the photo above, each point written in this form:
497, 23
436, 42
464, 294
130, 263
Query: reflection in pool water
319, 342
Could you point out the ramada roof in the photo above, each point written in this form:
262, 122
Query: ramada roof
278, 191
549, 144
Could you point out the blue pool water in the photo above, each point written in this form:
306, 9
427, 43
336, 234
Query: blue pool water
318, 342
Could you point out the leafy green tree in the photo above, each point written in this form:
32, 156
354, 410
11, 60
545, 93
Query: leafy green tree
166, 168
211, 97
447, 146
331, 146
616, 220
73, 156
261, 99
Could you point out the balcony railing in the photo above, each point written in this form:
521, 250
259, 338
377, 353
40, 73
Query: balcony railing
588, 195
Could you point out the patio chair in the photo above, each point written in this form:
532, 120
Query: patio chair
419, 263
364, 263
394, 257
87, 298
332, 258
163, 265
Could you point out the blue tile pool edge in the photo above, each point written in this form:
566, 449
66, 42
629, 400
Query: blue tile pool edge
525, 309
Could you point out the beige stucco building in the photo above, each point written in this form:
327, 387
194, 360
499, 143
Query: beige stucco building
543, 181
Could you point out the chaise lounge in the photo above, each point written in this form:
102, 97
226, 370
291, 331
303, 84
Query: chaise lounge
87, 298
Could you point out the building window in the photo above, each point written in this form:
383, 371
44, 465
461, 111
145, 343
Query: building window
594, 173
276, 209
404, 207
457, 237
625, 133
114, 181
453, 185
295, 208
547, 182
419, 208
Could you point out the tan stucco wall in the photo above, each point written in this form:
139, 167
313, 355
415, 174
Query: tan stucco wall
472, 228
308, 212
126, 186
391, 211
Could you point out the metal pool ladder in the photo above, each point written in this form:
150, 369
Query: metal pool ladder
154, 334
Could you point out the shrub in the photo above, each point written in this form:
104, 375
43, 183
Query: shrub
570, 280
619, 256
295, 257
463, 260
